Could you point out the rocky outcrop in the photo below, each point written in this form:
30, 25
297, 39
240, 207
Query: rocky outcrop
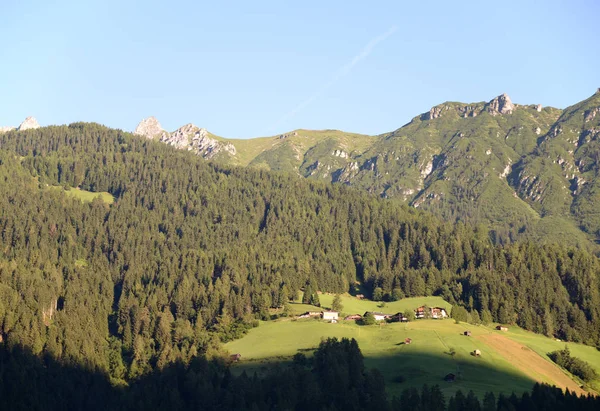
6, 129
292, 134
188, 137
48, 313
149, 127
29, 123
196, 139
347, 173
468, 111
339, 153
500, 105
182, 137
435, 112
589, 115
426, 169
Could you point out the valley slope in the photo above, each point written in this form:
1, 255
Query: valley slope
527, 171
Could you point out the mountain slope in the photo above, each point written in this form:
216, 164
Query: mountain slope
527, 171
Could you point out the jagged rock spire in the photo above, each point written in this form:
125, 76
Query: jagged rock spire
149, 127
501, 105
28, 124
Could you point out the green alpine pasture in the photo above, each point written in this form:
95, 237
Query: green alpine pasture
84, 195
437, 348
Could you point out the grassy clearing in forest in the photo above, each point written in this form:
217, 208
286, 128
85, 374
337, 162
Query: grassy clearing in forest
438, 348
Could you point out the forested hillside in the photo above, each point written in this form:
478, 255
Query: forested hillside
526, 171
191, 253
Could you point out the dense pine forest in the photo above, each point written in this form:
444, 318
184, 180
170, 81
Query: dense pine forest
191, 254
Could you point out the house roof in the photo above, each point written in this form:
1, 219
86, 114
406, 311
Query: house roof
376, 313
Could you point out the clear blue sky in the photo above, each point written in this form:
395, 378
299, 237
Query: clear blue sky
252, 68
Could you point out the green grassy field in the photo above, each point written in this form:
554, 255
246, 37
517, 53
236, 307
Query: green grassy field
249, 149
426, 360
86, 196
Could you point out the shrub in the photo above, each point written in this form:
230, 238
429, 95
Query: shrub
368, 319
574, 365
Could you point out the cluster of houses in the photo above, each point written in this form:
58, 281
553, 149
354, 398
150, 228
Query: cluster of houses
434, 312
421, 312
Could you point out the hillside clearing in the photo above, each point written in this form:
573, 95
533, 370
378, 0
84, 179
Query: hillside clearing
425, 361
84, 195
530, 362
509, 362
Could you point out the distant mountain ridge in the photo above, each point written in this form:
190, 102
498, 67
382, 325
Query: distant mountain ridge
525, 170
521, 170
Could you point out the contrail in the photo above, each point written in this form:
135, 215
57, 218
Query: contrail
364, 53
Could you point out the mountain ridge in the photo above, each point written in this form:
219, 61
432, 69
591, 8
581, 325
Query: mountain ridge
523, 170
459, 160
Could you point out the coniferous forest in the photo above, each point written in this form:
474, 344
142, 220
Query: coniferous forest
191, 254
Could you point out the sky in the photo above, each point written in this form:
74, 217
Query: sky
254, 68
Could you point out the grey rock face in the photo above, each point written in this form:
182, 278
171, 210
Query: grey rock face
590, 114
5, 129
435, 112
501, 105
149, 127
196, 139
28, 124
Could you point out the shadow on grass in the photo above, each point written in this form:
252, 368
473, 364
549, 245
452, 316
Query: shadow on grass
404, 369
43, 382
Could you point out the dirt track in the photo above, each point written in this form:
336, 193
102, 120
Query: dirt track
530, 362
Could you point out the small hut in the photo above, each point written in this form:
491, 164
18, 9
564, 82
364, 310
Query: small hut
476, 353
467, 333
450, 378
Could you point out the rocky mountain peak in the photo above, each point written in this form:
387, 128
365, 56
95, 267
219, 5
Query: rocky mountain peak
501, 105
193, 138
149, 127
28, 124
